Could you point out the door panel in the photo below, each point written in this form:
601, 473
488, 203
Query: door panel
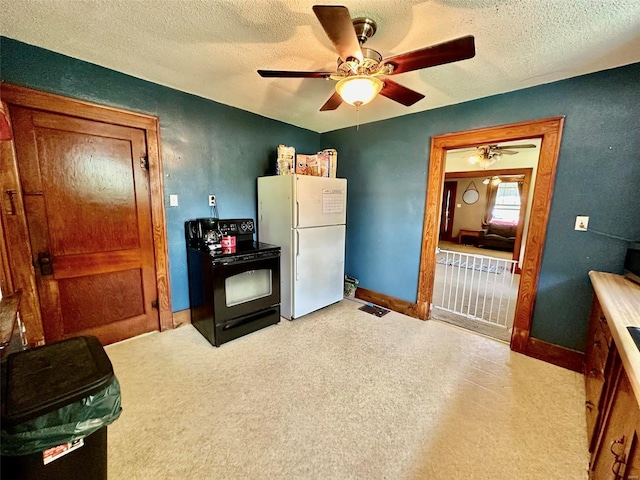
319, 201
97, 207
88, 211
319, 268
83, 310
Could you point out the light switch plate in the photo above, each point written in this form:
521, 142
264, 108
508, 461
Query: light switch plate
173, 200
582, 223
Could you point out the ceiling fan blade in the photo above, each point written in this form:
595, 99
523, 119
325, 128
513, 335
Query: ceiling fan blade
527, 145
338, 26
334, 102
289, 74
446, 52
400, 94
500, 151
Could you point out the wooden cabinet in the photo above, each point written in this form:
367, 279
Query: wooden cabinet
613, 413
598, 365
616, 455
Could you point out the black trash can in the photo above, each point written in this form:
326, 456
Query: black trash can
57, 401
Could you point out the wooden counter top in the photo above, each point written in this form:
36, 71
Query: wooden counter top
619, 298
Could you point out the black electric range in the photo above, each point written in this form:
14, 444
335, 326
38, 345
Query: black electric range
234, 283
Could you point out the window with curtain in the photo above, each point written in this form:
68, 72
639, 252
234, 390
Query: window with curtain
506, 208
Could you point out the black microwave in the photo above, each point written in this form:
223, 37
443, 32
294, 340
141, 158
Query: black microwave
632, 263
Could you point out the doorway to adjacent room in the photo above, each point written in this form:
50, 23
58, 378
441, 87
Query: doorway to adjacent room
548, 131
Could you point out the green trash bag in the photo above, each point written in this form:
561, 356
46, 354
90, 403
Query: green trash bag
64, 425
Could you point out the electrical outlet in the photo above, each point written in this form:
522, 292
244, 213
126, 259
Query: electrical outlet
173, 200
212, 200
582, 223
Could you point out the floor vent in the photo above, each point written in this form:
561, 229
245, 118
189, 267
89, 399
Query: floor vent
374, 310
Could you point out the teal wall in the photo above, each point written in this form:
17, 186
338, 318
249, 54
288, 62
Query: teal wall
207, 147
598, 174
212, 148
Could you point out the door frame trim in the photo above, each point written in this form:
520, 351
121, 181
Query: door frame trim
549, 130
30, 98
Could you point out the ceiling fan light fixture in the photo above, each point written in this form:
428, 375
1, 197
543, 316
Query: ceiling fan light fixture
359, 89
484, 158
495, 180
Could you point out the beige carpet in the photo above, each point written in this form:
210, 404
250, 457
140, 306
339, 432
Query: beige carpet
341, 394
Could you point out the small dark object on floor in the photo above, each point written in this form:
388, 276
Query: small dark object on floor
374, 310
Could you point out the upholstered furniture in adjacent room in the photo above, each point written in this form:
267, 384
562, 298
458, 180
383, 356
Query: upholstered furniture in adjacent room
500, 236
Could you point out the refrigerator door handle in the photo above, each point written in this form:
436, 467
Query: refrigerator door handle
297, 213
297, 252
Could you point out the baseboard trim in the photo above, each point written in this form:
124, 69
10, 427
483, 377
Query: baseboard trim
392, 303
555, 354
182, 317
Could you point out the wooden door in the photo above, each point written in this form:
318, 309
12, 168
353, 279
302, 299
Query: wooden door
448, 210
87, 204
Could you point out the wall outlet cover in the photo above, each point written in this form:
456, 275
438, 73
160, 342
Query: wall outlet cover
582, 222
212, 200
173, 200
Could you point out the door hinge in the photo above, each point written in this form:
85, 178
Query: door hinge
10, 205
154, 304
144, 163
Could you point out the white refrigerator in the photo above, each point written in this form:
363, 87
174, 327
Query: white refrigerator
306, 217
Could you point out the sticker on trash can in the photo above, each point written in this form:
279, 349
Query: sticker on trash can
54, 453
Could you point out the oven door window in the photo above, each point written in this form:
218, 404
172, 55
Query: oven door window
248, 286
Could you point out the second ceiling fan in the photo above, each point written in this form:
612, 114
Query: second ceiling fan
487, 155
359, 68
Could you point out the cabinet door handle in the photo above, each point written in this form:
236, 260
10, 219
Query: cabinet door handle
589, 404
619, 458
620, 441
615, 469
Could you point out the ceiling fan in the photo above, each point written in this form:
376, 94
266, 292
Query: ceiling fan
359, 68
486, 155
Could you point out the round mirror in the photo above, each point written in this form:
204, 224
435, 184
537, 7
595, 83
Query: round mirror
470, 197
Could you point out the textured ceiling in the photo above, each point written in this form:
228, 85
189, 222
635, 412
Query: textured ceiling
212, 48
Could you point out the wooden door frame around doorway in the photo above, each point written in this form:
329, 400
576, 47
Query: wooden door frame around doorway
20, 274
549, 131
